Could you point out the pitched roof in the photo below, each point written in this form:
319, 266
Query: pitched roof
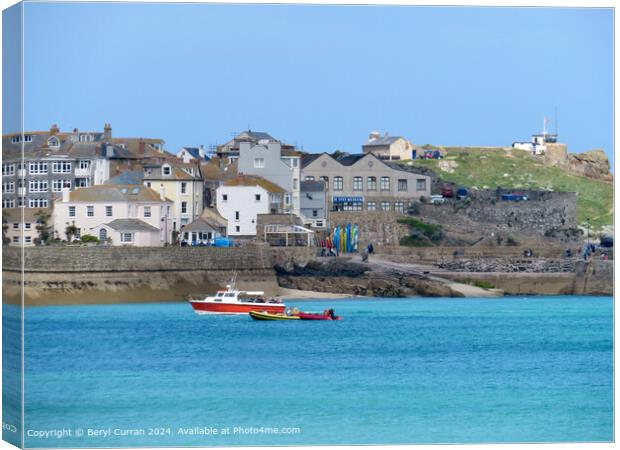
309, 158
211, 216
212, 170
253, 180
176, 173
131, 225
115, 192
348, 160
127, 177
195, 152
258, 135
200, 224
385, 140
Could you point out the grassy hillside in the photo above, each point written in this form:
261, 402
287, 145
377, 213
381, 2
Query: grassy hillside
488, 168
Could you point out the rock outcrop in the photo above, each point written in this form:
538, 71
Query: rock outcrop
339, 275
592, 164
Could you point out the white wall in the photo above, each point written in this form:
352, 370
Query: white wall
120, 210
242, 199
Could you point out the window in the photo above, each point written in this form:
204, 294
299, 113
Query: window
326, 179
358, 183
183, 207
385, 183
84, 164
8, 169
372, 183
295, 183
8, 203
61, 167
38, 186
90, 211
315, 213
224, 197
402, 185
237, 228
78, 233
420, 184
38, 203
309, 178
372, 206
259, 163
8, 188
16, 139
59, 185
126, 237
71, 211
147, 211
28, 138
184, 188
385, 206
108, 211
27, 239
86, 137
257, 197
337, 183
103, 234
16, 239
81, 182
27, 226
148, 184
399, 206
295, 162
16, 225
236, 215
165, 170
38, 168
53, 142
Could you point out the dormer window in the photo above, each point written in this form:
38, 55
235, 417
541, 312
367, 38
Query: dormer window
165, 170
86, 137
53, 142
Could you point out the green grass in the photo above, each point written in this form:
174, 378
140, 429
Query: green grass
423, 234
515, 169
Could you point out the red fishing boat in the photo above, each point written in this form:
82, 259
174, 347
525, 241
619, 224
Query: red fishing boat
233, 301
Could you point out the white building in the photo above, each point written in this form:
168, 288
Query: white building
128, 214
241, 199
276, 164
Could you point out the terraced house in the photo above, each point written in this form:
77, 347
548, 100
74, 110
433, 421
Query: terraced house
38, 165
363, 182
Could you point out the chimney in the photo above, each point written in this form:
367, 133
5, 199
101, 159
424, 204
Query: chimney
65, 195
141, 147
107, 132
54, 130
75, 135
162, 193
201, 151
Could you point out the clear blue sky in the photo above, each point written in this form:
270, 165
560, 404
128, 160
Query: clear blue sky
320, 76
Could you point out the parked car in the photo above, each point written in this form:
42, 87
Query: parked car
462, 193
437, 199
431, 154
447, 191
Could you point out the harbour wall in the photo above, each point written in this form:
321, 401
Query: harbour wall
72, 275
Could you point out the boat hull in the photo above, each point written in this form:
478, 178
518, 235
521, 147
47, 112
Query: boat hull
314, 316
259, 315
202, 307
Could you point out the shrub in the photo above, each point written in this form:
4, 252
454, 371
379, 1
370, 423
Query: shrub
89, 238
422, 233
422, 199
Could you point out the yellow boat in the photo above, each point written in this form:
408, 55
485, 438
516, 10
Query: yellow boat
261, 315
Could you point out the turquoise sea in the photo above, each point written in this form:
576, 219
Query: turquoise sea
536, 369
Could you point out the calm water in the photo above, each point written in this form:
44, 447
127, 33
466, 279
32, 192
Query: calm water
393, 371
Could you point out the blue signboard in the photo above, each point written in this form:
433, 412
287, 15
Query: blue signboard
347, 199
